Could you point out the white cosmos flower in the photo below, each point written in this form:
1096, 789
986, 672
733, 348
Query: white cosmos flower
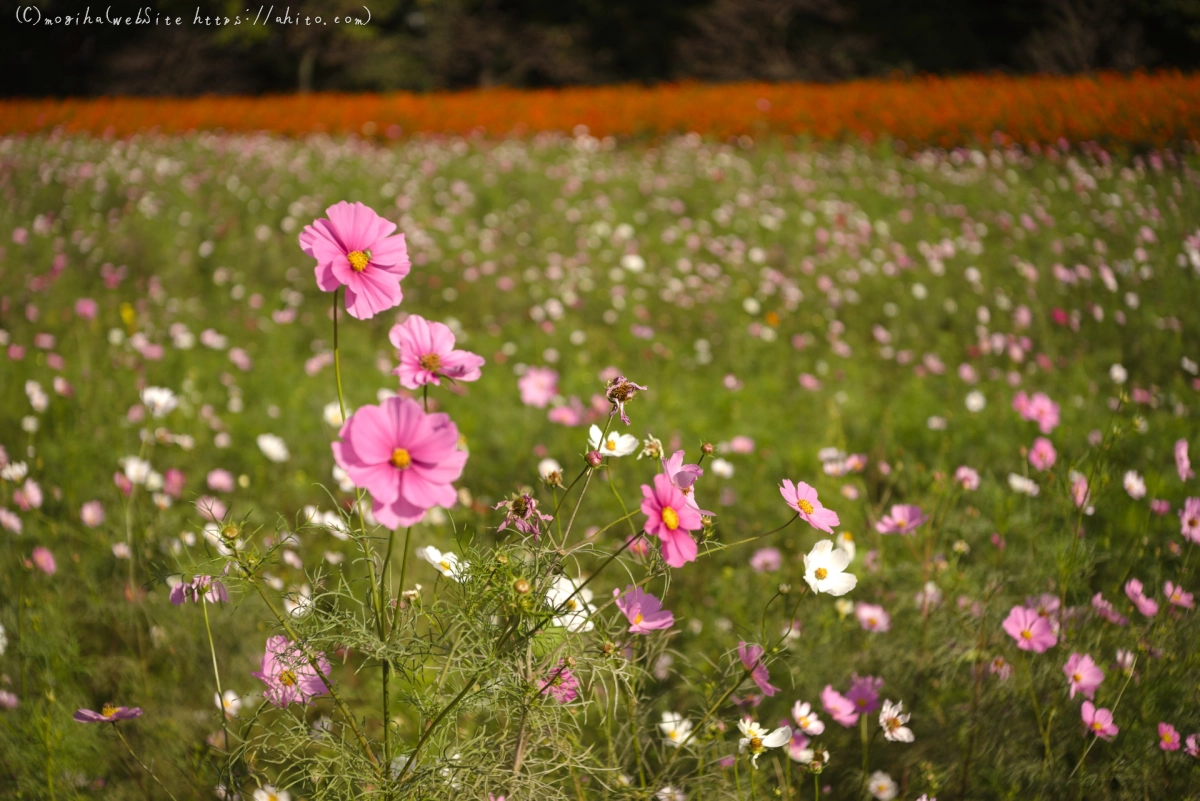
976, 401
670, 793
1025, 486
159, 401
881, 786
268, 793
1135, 485
756, 739
675, 728
300, 602
613, 444
273, 447
3, 640
333, 414
722, 468
892, 720
14, 471
845, 542
1118, 374
136, 470
576, 605
824, 569
230, 702
546, 467
806, 719
446, 563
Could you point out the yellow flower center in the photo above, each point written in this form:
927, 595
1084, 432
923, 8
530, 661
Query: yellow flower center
445, 565
805, 506
847, 536
1076, 677
108, 710
611, 444
821, 573
670, 518
1027, 634
1097, 725
431, 362
400, 459
638, 618
892, 724
287, 678
358, 260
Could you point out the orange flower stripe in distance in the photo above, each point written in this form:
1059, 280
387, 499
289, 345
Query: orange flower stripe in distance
1151, 109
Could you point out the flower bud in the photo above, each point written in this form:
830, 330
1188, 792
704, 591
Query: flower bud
521, 586
706, 449
594, 459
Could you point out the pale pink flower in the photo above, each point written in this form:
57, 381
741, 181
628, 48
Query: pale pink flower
1042, 455
684, 477
1183, 465
1176, 595
1147, 606
220, 480
1031, 631
407, 459
643, 611
107, 714
806, 719
1079, 488
1193, 745
1099, 721
427, 354
751, 656
1189, 520
86, 308
174, 481
538, 386
355, 248
802, 497
670, 518
1083, 675
288, 674
872, 617
766, 560
211, 509
967, 478
44, 560
1039, 409
560, 684
903, 519
10, 520
92, 513
1105, 610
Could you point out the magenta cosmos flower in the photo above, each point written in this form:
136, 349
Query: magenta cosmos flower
1031, 631
1099, 721
864, 693
643, 611
1083, 675
289, 676
108, 714
1168, 737
903, 519
407, 459
751, 656
684, 477
669, 518
803, 498
355, 248
427, 354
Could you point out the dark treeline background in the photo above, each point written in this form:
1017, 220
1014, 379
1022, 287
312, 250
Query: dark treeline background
454, 44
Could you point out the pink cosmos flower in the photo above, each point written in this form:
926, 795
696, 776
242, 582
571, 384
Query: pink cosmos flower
44, 561
967, 478
92, 513
538, 386
86, 308
1105, 610
1183, 465
1176, 595
1160, 507
201, 587
355, 248
1079, 489
1147, 606
220, 480
1039, 409
643, 611
108, 714
1042, 455
1099, 721
10, 701
407, 459
766, 560
1031, 631
1193, 745
864, 693
173, 483
1083, 675
1168, 737
1189, 519
427, 354
560, 684
10, 520
211, 509
522, 514
803, 498
751, 656
669, 518
872, 617
839, 707
807, 720
289, 676
684, 477
903, 519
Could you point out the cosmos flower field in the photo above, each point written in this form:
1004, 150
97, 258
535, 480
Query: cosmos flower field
930, 534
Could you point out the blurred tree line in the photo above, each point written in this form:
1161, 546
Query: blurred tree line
454, 44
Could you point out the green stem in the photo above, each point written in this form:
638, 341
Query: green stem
143, 764
212, 649
816, 787
866, 743
1128, 676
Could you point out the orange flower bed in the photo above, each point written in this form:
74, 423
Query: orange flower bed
1153, 109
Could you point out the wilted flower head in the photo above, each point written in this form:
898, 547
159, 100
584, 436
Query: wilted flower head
522, 514
620, 391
